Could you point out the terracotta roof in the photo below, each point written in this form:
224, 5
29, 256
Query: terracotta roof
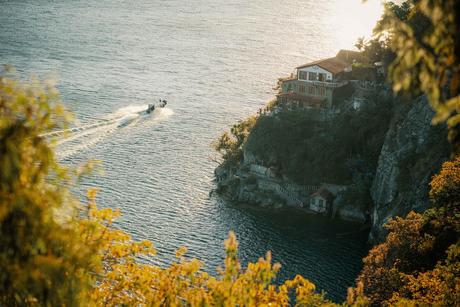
324, 193
333, 65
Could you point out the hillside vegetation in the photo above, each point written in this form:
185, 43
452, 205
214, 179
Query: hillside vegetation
311, 151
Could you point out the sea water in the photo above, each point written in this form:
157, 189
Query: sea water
216, 62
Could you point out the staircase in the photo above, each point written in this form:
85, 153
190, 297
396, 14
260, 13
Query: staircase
290, 197
285, 193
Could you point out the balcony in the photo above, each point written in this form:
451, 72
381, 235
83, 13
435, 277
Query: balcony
326, 83
303, 101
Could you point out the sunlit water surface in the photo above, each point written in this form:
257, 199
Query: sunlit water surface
216, 62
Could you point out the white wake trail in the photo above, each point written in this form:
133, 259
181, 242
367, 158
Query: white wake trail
71, 141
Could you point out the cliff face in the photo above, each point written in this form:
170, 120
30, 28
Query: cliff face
412, 152
395, 152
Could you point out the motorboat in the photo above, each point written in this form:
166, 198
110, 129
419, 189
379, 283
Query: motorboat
129, 118
152, 106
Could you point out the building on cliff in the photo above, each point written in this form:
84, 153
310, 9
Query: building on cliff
314, 84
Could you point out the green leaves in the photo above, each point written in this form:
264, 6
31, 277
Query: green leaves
230, 144
425, 39
43, 260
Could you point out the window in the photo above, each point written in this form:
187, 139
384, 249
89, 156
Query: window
321, 203
302, 75
322, 77
312, 201
312, 76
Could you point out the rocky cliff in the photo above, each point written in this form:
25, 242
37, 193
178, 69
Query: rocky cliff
412, 152
385, 152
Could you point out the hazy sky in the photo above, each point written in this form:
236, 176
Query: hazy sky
355, 18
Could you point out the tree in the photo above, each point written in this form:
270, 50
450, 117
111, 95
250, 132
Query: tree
230, 144
360, 43
425, 38
43, 260
419, 261
418, 264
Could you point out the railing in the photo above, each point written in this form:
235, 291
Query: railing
301, 188
326, 83
317, 83
366, 86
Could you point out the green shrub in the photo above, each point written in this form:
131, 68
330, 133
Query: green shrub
311, 151
230, 143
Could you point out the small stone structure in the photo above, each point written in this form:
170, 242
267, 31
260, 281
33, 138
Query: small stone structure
321, 201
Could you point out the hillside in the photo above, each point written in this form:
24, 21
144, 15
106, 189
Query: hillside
382, 155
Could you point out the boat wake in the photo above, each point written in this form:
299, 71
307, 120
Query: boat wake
70, 141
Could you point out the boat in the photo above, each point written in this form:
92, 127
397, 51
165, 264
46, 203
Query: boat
129, 118
152, 106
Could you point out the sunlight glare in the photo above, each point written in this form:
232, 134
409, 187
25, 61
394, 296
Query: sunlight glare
354, 19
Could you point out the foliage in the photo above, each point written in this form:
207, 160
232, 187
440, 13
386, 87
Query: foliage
54, 251
425, 38
418, 262
271, 105
341, 94
373, 50
43, 260
311, 151
127, 282
445, 186
362, 71
358, 194
230, 144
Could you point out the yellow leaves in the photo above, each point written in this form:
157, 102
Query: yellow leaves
106, 214
426, 59
399, 272
91, 194
356, 297
47, 263
231, 244
445, 186
127, 282
181, 251
454, 104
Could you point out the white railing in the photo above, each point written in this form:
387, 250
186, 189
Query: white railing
327, 84
301, 188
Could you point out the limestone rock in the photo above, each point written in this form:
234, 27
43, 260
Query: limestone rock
410, 140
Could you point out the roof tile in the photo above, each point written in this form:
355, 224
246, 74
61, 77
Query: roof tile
333, 65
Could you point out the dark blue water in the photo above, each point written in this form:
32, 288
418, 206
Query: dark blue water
216, 62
